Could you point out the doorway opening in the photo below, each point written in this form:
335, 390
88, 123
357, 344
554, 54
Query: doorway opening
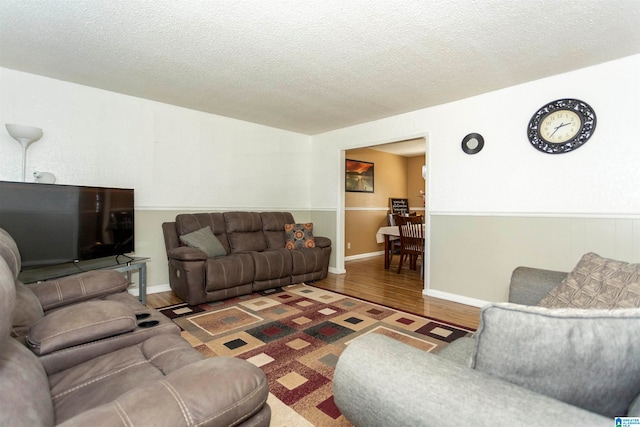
401, 171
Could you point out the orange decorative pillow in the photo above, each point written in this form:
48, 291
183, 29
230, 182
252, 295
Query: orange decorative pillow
298, 236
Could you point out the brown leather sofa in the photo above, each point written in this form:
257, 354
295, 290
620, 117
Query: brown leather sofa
255, 257
159, 380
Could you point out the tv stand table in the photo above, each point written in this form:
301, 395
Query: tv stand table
121, 263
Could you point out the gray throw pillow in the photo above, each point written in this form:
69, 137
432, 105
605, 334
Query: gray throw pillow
206, 241
587, 358
597, 282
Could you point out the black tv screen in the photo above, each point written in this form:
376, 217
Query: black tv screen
55, 224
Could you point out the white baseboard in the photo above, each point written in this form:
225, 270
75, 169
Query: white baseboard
336, 270
432, 293
361, 256
455, 298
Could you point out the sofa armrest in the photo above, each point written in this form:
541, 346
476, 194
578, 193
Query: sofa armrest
381, 382
529, 285
78, 287
220, 391
322, 242
80, 324
185, 253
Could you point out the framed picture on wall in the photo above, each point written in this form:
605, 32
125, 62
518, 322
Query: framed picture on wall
358, 176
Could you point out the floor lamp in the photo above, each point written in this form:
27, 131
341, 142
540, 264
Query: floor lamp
25, 135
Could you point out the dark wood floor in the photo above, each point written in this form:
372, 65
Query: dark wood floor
367, 279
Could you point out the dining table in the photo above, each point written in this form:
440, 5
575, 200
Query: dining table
386, 235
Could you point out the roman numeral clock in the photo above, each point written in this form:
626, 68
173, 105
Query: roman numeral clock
561, 126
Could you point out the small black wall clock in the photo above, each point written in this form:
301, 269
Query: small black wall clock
561, 126
472, 143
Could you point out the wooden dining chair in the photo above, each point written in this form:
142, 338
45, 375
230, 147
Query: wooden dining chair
411, 240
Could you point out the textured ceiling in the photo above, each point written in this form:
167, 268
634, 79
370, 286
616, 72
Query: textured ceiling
408, 148
312, 66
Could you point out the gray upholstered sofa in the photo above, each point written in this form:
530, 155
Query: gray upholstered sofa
62, 365
525, 365
249, 253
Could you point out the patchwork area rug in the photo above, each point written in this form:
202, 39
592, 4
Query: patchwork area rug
296, 334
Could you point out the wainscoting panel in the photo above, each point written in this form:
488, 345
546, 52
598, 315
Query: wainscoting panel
324, 224
473, 256
360, 230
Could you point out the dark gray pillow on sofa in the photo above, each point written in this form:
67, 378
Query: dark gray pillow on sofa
206, 241
588, 358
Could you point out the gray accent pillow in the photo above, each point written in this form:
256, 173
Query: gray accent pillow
206, 241
597, 282
587, 358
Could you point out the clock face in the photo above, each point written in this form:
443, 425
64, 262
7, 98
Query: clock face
561, 126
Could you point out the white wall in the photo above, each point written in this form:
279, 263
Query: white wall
510, 177
172, 156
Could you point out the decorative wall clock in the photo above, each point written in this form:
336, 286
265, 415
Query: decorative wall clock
561, 126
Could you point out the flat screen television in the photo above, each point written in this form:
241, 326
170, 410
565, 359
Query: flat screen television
56, 224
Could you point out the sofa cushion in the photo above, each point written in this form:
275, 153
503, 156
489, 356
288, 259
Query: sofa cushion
228, 272
186, 223
308, 264
298, 236
597, 282
273, 227
244, 231
107, 377
587, 358
206, 241
272, 264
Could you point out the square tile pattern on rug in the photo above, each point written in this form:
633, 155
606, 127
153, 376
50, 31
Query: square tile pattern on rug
296, 334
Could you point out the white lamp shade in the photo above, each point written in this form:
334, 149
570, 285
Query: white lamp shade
25, 135
24, 132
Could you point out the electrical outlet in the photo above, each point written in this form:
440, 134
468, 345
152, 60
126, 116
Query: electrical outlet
348, 245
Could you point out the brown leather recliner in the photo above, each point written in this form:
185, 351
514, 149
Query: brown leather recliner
76, 318
256, 258
161, 381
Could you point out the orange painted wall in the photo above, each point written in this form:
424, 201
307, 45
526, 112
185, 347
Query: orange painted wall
394, 176
415, 183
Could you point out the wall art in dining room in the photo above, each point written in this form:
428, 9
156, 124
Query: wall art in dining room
358, 176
